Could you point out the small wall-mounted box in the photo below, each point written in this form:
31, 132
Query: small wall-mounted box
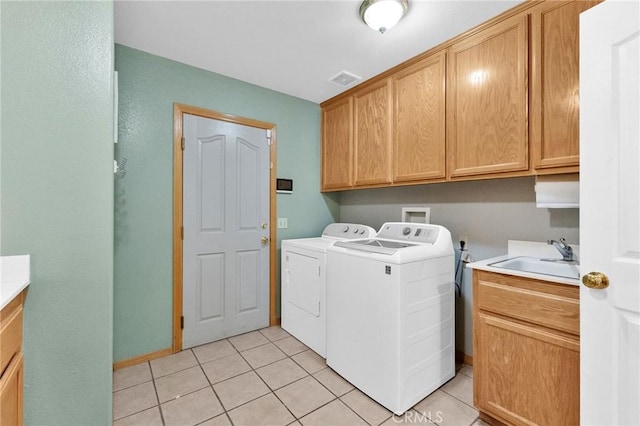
284, 186
416, 214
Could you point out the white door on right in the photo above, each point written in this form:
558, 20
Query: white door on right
610, 214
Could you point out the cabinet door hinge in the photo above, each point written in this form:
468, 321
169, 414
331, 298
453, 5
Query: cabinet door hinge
182, 323
182, 232
182, 143
269, 137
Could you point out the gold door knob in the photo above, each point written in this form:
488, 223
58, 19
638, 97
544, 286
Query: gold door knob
595, 280
265, 241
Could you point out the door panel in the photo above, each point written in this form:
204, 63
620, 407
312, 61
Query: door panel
211, 297
609, 211
372, 138
419, 121
248, 280
211, 183
487, 126
337, 145
248, 185
225, 203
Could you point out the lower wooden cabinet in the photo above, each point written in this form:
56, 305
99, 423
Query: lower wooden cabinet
11, 362
11, 393
526, 350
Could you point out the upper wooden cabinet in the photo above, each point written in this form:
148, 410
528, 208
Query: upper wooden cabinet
554, 133
511, 91
419, 121
487, 101
337, 145
372, 134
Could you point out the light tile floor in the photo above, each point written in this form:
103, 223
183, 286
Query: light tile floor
267, 377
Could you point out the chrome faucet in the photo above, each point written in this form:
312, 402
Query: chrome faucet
564, 249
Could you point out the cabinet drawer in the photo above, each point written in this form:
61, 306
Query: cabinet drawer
551, 305
10, 336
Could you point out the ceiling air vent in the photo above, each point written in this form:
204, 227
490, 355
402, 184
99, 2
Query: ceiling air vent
345, 79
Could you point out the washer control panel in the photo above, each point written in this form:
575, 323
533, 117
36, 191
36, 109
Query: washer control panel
406, 231
348, 231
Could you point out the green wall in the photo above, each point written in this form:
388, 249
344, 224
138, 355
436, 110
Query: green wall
57, 201
148, 87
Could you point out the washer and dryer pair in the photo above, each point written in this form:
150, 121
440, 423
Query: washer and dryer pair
389, 313
304, 279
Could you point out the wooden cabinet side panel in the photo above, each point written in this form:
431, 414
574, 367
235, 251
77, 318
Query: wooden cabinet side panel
419, 121
337, 145
487, 91
372, 137
554, 133
528, 378
11, 393
10, 337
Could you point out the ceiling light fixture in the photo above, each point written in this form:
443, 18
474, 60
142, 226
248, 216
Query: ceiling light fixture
380, 15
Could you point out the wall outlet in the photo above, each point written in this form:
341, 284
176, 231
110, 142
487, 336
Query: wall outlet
282, 223
466, 241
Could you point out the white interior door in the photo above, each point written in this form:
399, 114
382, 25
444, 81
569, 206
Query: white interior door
610, 213
226, 212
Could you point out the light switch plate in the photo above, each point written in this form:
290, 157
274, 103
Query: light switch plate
282, 223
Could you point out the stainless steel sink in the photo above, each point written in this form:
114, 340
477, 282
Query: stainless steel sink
553, 267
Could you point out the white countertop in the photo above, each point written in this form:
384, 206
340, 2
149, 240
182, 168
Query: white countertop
15, 276
527, 248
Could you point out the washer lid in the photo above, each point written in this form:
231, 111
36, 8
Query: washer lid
375, 246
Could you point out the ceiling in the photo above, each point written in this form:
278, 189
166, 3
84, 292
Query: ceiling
294, 47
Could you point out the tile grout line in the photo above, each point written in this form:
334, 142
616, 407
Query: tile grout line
224, 411
157, 396
145, 409
262, 380
260, 377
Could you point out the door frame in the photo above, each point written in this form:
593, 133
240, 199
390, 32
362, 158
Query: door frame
178, 110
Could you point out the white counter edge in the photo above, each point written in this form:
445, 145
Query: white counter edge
15, 276
483, 265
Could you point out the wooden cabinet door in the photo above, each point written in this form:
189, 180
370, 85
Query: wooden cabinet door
419, 121
487, 101
372, 137
554, 133
11, 393
525, 374
337, 145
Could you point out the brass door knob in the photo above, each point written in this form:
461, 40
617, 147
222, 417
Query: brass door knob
595, 280
265, 241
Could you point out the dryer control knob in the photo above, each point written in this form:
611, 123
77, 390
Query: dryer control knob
406, 231
345, 229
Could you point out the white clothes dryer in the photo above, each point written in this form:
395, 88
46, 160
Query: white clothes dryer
390, 312
303, 282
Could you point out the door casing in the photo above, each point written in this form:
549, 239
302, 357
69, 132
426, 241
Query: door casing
178, 110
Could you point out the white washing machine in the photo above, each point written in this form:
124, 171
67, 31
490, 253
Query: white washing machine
303, 282
390, 312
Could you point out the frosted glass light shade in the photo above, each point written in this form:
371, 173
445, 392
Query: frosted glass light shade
380, 15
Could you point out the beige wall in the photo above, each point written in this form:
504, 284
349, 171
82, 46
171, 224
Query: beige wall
488, 212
